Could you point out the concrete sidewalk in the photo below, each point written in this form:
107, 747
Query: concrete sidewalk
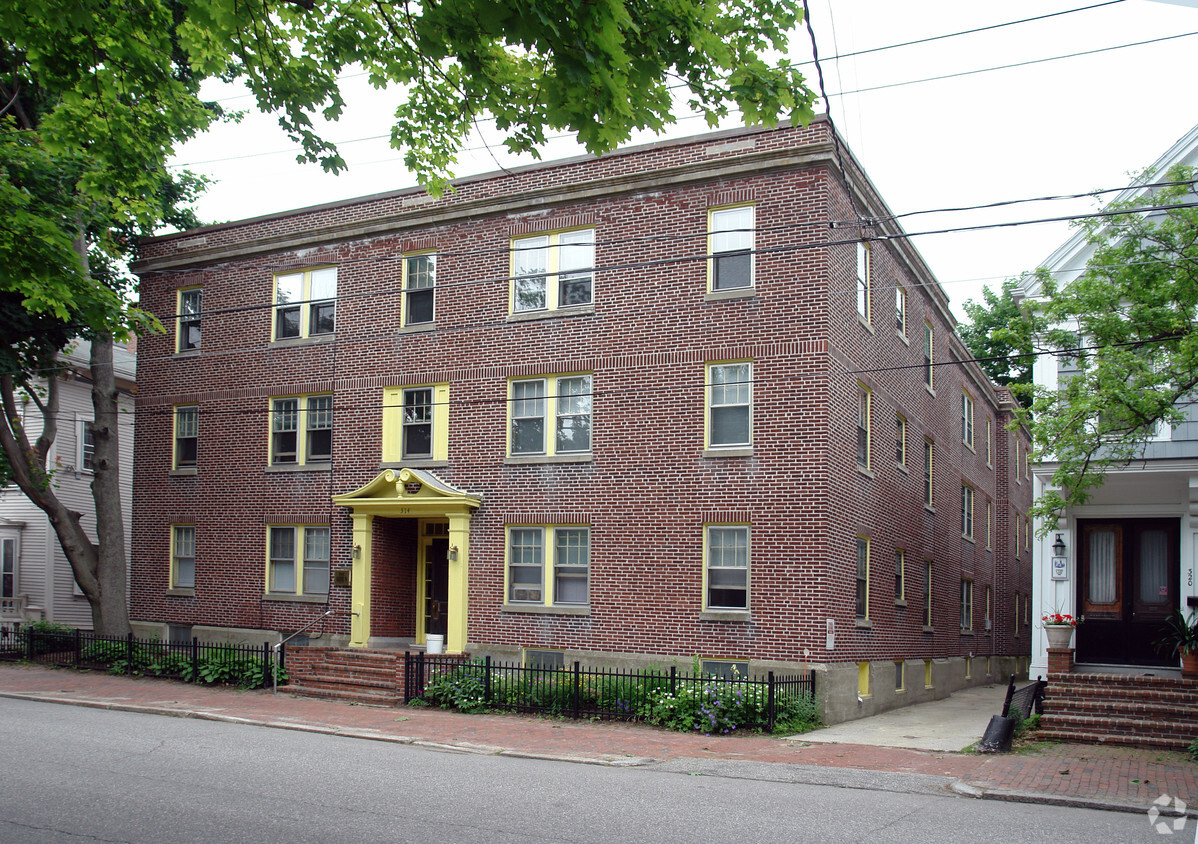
1061, 774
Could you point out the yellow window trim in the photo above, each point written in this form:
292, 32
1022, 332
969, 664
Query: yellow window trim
707, 389
392, 445
868, 563
863, 689
174, 574
864, 277
548, 563
748, 567
299, 559
304, 300
403, 309
175, 431
550, 418
552, 268
711, 233
869, 415
301, 439
179, 314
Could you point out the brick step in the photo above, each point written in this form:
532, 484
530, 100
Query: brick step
1135, 709
379, 657
1183, 696
345, 694
1108, 726
332, 678
1086, 737
1111, 682
364, 668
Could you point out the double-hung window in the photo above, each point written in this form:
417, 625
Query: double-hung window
863, 407
416, 423
186, 436
419, 280
305, 303
85, 446
966, 604
727, 567
730, 235
548, 565
900, 309
929, 356
967, 419
862, 578
553, 271
183, 557
729, 405
550, 416
927, 593
189, 304
901, 440
301, 430
966, 511
863, 281
900, 574
928, 464
298, 560
989, 441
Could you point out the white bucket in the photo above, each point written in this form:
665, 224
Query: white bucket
434, 643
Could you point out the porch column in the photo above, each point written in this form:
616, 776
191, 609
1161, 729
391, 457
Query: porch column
359, 593
459, 581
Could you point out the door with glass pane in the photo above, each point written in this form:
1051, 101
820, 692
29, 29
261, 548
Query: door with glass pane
435, 572
1127, 585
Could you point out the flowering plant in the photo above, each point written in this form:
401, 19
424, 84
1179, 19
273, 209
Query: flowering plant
1061, 618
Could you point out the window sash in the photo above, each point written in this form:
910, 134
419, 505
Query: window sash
732, 238
576, 260
728, 568
418, 422
928, 353
282, 559
186, 436
420, 281
927, 593
966, 604
184, 568
863, 281
319, 428
967, 511
526, 561
571, 565
901, 441
928, 464
316, 561
862, 597
315, 288
190, 302
8, 567
528, 417
573, 415
900, 574
967, 419
900, 308
730, 404
863, 426
531, 262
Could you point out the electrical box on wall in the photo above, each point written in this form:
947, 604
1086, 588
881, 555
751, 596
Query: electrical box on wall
341, 577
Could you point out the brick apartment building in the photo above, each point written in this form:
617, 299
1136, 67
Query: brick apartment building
674, 401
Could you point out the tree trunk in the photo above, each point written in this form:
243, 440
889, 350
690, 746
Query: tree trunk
110, 612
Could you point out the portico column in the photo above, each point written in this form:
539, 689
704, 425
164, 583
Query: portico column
459, 581
359, 593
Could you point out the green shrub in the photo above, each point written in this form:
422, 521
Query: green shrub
48, 636
461, 687
1193, 750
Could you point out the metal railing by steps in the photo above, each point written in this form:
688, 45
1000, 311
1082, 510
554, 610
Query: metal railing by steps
1121, 709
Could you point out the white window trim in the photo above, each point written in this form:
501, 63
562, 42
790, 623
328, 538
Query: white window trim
403, 311
81, 432
182, 319
710, 447
174, 562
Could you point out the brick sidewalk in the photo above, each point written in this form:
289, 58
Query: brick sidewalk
1124, 778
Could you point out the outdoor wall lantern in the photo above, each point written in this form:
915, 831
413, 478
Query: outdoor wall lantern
357, 552
453, 553
1058, 547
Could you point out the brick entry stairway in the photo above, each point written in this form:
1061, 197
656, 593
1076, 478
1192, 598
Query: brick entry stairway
1121, 709
357, 675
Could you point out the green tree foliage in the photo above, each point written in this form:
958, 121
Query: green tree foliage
989, 341
95, 96
1127, 333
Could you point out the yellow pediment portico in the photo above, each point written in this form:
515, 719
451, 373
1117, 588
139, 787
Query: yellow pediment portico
410, 494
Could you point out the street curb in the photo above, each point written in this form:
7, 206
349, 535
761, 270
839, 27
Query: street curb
968, 790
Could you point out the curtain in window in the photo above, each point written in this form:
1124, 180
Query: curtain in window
1154, 578
1102, 567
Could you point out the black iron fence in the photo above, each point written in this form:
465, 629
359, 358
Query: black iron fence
577, 692
250, 666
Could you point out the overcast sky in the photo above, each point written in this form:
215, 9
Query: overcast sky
1037, 126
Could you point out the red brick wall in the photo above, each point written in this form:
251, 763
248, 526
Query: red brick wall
648, 489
